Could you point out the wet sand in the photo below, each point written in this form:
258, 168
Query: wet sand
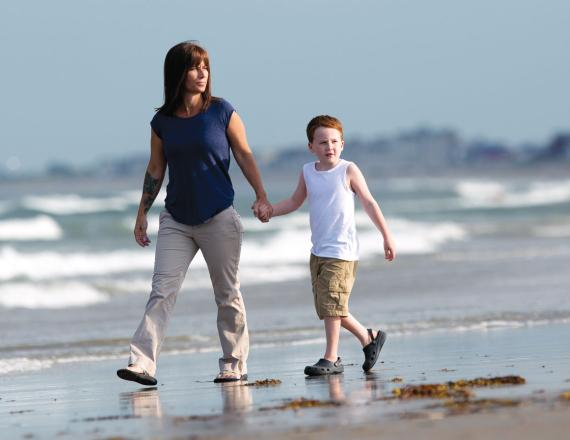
87, 400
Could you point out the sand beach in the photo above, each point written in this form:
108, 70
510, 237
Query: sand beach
86, 400
479, 290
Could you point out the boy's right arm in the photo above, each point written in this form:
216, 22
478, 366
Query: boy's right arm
294, 202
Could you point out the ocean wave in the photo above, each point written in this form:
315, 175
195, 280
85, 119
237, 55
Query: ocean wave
280, 337
411, 237
199, 278
482, 194
291, 241
268, 254
21, 365
4, 206
69, 204
297, 220
153, 222
38, 228
53, 265
480, 323
49, 296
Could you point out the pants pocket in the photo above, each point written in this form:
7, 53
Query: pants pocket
237, 221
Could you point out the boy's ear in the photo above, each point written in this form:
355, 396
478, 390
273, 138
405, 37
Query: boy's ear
310, 145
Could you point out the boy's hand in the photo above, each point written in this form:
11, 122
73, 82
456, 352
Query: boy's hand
389, 249
265, 213
262, 209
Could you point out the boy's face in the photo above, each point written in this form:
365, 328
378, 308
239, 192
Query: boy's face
327, 145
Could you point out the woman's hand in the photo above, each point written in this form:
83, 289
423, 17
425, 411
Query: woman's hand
140, 231
262, 209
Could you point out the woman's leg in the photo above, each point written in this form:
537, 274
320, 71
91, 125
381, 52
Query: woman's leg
174, 251
220, 241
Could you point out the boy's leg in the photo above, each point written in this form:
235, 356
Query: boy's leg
351, 324
174, 251
332, 331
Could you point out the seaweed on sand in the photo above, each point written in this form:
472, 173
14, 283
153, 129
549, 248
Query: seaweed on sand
458, 390
263, 383
297, 404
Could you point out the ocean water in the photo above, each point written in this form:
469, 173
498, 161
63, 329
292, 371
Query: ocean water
474, 254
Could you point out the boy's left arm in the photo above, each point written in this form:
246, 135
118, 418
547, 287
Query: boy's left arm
358, 184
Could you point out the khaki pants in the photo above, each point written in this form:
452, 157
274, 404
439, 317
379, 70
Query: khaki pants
220, 240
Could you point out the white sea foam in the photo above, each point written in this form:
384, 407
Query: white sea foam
153, 223
53, 265
285, 247
297, 220
199, 278
291, 240
411, 237
22, 364
481, 194
68, 204
133, 197
49, 296
470, 324
306, 336
30, 229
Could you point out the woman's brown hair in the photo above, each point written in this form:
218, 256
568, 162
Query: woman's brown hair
179, 59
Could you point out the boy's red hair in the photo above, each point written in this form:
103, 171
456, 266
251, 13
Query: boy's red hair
323, 121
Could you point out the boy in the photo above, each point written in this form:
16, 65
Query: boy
330, 184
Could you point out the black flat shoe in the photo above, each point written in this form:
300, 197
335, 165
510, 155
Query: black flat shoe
324, 367
143, 378
372, 350
221, 379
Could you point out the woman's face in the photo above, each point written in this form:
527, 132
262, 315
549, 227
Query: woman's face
197, 78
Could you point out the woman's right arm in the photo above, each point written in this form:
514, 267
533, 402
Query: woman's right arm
152, 182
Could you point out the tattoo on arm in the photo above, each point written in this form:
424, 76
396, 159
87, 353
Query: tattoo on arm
151, 187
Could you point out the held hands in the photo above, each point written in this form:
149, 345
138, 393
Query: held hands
140, 231
262, 209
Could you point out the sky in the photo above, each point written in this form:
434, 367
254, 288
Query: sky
80, 79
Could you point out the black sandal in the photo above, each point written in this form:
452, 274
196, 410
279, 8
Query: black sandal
372, 350
324, 367
220, 378
143, 378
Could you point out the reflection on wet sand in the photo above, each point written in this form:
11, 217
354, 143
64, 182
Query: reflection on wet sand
372, 388
236, 398
142, 403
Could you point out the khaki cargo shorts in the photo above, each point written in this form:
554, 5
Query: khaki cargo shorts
332, 281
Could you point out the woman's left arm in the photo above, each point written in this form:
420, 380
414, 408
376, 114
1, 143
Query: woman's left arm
262, 209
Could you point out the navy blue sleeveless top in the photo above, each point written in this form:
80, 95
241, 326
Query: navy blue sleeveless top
197, 152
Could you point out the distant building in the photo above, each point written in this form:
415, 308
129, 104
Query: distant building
482, 151
559, 148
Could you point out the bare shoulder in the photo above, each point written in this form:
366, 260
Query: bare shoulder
352, 171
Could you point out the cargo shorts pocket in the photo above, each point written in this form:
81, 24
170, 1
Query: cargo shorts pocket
338, 293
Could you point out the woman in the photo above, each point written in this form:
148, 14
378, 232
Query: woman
193, 133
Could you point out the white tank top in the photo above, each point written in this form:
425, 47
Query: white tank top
331, 209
